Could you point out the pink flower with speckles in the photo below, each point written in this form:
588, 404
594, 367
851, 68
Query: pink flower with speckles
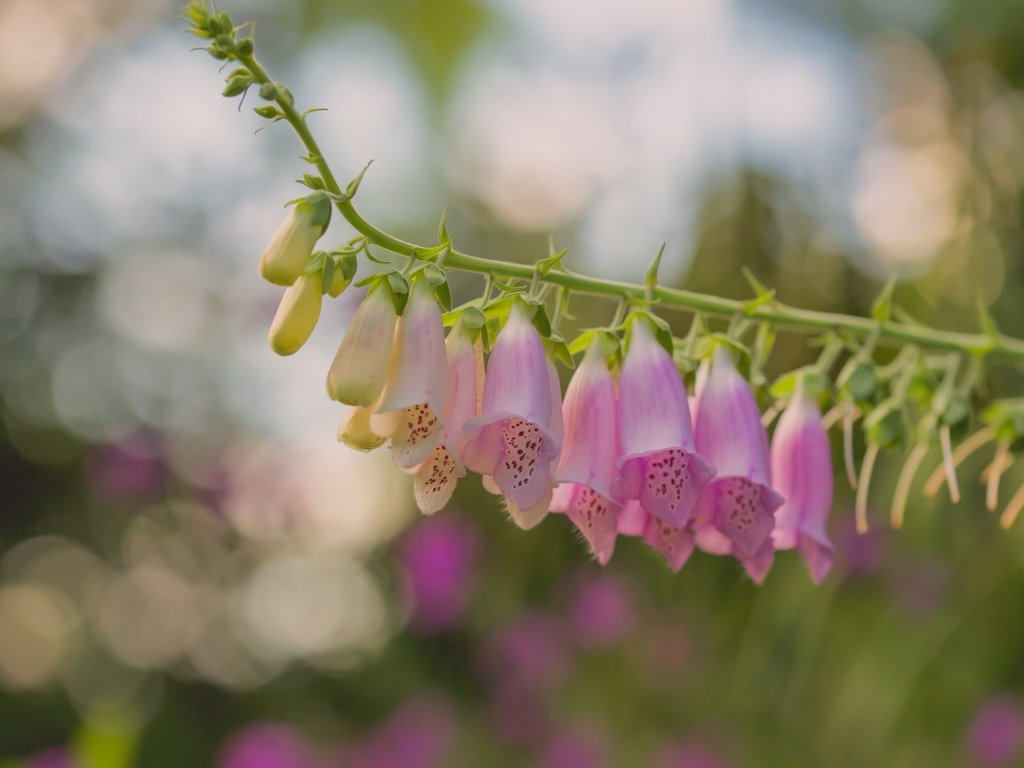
516, 439
736, 513
587, 465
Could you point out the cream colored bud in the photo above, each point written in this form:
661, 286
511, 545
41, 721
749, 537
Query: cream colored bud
285, 259
360, 369
297, 315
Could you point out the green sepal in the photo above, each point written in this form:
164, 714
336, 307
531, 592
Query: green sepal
399, 289
859, 380
353, 186
662, 331
558, 350
881, 308
312, 181
443, 238
1006, 417
553, 260
604, 336
437, 278
886, 425
269, 91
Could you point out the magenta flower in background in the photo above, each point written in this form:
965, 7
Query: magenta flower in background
587, 463
602, 610
577, 748
266, 745
129, 469
858, 554
418, 735
436, 478
516, 439
534, 649
996, 732
687, 756
414, 399
439, 557
659, 466
54, 757
802, 473
736, 513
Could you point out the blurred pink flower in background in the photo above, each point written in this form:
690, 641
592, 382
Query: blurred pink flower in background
266, 745
995, 733
439, 558
601, 609
54, 757
127, 470
687, 756
858, 554
418, 734
577, 748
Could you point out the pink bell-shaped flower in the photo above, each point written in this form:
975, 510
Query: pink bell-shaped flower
414, 399
802, 472
514, 440
736, 513
587, 465
436, 477
659, 466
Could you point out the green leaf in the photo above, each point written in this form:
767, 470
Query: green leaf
985, 319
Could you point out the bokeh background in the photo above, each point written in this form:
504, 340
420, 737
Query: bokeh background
193, 572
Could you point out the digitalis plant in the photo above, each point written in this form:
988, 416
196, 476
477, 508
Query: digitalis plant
628, 452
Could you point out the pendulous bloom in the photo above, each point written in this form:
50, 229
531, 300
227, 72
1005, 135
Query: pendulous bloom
659, 466
414, 399
360, 368
736, 513
675, 544
297, 314
802, 473
587, 464
436, 477
516, 438
287, 255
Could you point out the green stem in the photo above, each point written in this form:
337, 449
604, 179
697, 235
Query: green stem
773, 312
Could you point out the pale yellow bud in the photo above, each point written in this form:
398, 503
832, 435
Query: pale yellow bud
285, 259
297, 315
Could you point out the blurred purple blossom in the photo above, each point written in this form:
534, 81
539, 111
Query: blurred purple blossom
572, 750
54, 757
439, 558
533, 649
129, 469
519, 711
858, 554
995, 733
417, 735
266, 745
686, 756
601, 609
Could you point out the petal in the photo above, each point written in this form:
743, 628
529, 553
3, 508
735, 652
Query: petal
728, 428
524, 471
593, 514
517, 375
419, 365
526, 518
465, 387
417, 433
590, 424
742, 510
818, 555
758, 564
360, 367
676, 544
632, 519
668, 482
435, 481
357, 432
801, 472
652, 399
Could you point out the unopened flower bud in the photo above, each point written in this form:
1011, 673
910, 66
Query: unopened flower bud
297, 315
290, 248
360, 367
344, 270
